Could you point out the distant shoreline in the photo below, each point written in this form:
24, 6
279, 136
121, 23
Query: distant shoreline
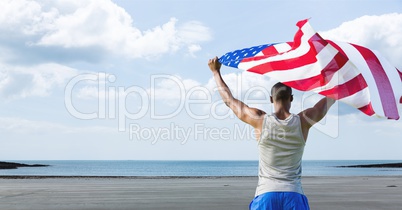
383, 165
11, 165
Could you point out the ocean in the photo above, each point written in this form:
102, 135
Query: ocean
190, 168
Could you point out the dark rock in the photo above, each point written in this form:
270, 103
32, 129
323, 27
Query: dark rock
11, 165
385, 165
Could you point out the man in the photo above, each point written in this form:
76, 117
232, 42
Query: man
281, 139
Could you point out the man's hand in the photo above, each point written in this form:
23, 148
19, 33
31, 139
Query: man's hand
214, 65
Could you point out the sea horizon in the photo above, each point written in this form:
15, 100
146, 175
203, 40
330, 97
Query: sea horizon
190, 168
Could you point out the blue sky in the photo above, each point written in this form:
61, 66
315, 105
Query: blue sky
129, 79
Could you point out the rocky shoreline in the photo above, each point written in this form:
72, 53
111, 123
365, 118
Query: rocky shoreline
11, 165
384, 165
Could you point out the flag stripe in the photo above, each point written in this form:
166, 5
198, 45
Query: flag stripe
282, 60
284, 47
272, 50
359, 63
367, 109
276, 49
304, 32
341, 76
286, 64
395, 80
293, 68
325, 57
382, 81
358, 99
400, 75
322, 79
348, 88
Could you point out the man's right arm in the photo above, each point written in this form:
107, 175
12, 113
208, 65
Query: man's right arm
249, 115
311, 116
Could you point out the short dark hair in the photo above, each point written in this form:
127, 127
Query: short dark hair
281, 92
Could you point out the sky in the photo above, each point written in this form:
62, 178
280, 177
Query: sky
128, 80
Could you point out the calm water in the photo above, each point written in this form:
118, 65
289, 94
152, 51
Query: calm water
191, 168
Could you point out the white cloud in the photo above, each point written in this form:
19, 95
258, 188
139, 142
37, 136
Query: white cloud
39, 80
192, 49
382, 33
89, 92
97, 26
378, 125
171, 87
94, 85
20, 125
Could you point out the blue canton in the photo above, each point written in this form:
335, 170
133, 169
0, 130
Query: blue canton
233, 58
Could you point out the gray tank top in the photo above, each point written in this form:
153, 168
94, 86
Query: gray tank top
281, 147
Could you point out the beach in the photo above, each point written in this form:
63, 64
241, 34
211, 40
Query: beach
41, 192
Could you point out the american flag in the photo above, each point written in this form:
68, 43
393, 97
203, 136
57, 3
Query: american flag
346, 72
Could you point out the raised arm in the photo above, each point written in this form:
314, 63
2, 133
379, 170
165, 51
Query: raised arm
252, 116
311, 116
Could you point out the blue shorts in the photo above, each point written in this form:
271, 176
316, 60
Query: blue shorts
280, 201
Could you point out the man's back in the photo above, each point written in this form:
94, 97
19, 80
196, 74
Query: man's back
281, 148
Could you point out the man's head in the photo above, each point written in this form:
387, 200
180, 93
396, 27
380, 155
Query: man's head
281, 93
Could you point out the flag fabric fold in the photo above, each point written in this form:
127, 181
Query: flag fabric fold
346, 72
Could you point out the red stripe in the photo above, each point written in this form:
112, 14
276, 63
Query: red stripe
299, 34
337, 47
323, 78
384, 87
307, 84
270, 51
368, 109
346, 89
301, 23
400, 75
286, 64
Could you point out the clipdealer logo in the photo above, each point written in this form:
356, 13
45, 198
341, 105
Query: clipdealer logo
196, 132
112, 100
112, 104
